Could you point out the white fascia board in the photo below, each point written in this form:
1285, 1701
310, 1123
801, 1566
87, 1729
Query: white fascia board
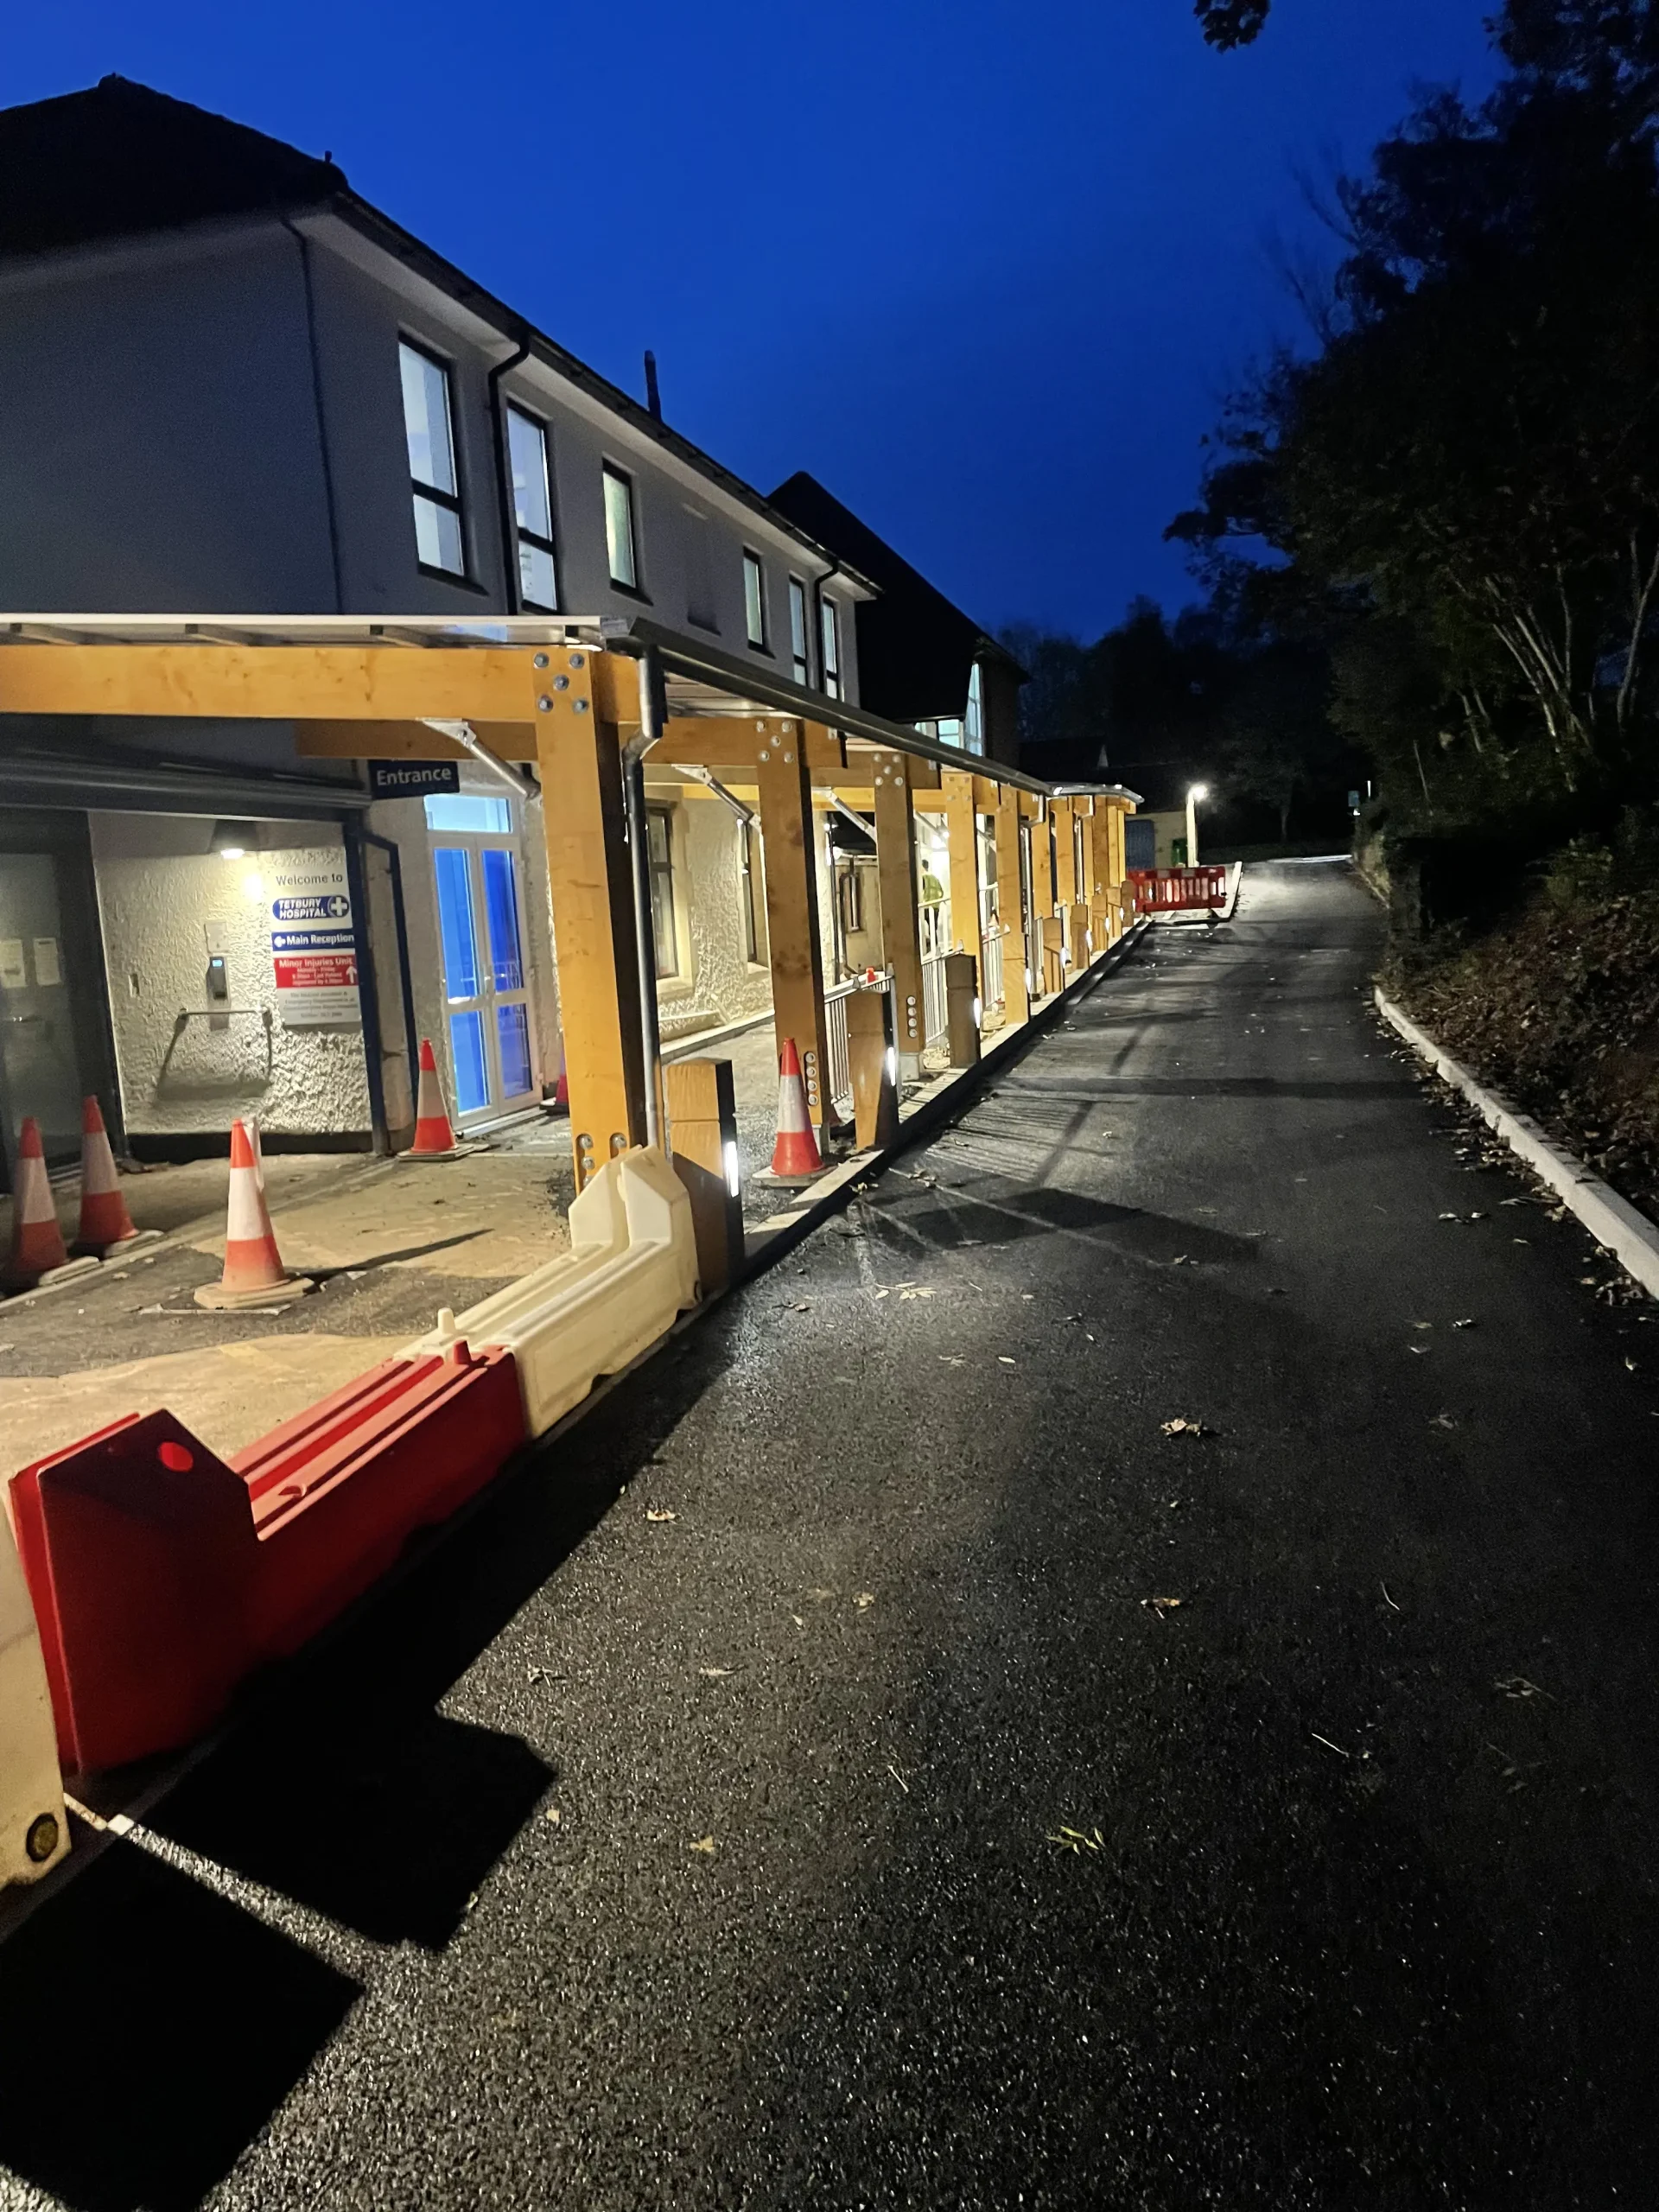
534, 377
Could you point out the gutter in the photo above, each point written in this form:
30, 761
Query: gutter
510, 590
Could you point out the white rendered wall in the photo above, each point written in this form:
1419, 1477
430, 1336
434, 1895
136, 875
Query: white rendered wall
159, 891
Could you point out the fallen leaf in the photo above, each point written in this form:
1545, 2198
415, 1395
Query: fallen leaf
706, 1845
1181, 1260
551, 1816
953, 1359
1450, 1216
917, 1291
1160, 1604
1078, 1840
1004, 1361
714, 1673
864, 1600
802, 1305
1517, 1687
881, 1294
1468, 1322
535, 1674
1182, 1427
661, 1513
1442, 1420
1422, 1351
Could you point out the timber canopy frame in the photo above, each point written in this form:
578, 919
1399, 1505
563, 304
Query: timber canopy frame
565, 693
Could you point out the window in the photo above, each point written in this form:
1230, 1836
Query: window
532, 505
974, 721
831, 614
797, 630
460, 811
659, 847
754, 600
618, 529
753, 887
427, 426
852, 899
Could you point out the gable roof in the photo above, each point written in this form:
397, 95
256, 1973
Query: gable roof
915, 647
122, 161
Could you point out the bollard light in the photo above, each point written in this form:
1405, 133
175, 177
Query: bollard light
979, 1015
893, 1065
734, 1168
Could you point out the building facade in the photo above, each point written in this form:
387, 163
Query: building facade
229, 385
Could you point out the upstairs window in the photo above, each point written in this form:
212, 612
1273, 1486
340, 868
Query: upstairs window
831, 614
621, 540
428, 420
755, 600
532, 506
974, 721
803, 670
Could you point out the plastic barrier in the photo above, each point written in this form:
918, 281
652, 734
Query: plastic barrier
632, 1268
162, 1576
1179, 890
34, 1832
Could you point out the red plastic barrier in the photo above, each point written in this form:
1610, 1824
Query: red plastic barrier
161, 1576
1174, 890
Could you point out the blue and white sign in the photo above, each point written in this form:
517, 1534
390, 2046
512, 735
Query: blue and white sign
314, 957
313, 907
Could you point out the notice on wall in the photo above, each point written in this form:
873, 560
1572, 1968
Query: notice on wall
13, 973
313, 950
48, 969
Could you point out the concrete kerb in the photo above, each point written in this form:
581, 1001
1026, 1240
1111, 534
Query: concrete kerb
96, 1825
1611, 1220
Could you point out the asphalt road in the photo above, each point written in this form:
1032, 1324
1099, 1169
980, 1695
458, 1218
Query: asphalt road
1362, 1911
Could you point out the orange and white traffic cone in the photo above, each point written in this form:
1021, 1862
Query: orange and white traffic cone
38, 1252
105, 1222
561, 1088
254, 1274
795, 1157
434, 1137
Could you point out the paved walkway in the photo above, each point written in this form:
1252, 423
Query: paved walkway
1340, 1706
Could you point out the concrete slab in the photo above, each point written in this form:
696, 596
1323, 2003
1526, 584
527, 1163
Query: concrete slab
228, 1394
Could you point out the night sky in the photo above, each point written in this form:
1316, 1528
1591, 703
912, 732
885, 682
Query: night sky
985, 268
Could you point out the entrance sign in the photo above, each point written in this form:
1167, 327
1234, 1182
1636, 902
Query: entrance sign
413, 779
313, 950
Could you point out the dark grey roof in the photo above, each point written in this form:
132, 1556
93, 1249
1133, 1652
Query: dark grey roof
915, 647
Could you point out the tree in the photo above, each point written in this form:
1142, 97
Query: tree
1229, 23
1472, 459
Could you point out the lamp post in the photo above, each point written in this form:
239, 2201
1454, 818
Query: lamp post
1194, 793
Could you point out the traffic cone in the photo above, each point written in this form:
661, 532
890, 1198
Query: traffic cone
257, 1147
434, 1138
561, 1088
795, 1156
38, 1252
254, 1274
104, 1221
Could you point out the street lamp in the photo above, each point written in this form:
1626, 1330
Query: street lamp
1194, 793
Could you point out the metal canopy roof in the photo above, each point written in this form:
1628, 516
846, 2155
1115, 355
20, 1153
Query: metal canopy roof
700, 678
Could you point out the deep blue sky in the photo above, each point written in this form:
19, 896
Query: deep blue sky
985, 267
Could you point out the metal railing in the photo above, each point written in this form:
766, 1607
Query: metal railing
935, 1017
990, 969
840, 1092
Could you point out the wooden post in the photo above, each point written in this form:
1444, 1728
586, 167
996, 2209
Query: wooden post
702, 1123
1077, 930
962, 828
1042, 867
895, 866
792, 940
591, 891
962, 1007
1083, 812
1100, 844
1052, 932
1065, 853
1016, 998
875, 1094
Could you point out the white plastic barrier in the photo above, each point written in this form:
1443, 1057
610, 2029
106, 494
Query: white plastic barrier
34, 1831
631, 1269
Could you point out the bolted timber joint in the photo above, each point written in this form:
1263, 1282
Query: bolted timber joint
539, 661
42, 1838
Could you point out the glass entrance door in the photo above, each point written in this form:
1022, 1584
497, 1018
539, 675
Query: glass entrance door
40, 1064
478, 875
